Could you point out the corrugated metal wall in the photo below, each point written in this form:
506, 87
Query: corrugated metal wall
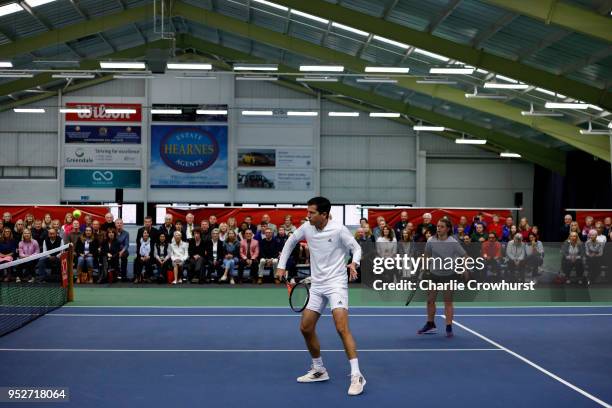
366, 160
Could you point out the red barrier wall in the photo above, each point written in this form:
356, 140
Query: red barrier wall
56, 211
277, 215
415, 215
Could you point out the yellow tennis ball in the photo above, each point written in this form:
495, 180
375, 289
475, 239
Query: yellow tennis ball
76, 213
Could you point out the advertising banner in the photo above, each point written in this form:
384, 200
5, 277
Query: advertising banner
97, 112
101, 178
102, 156
102, 134
189, 156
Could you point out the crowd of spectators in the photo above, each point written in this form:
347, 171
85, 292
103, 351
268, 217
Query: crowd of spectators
176, 251
207, 251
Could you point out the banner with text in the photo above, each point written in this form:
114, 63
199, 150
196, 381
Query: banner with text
189, 156
102, 156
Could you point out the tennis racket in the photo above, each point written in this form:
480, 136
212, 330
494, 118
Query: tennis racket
299, 294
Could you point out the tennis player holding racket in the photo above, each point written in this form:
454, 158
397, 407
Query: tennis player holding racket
329, 242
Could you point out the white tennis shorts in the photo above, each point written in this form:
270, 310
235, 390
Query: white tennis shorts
320, 296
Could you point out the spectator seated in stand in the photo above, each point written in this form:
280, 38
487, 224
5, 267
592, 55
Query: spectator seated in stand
249, 256
565, 228
424, 227
179, 253
232, 254
8, 251
26, 271
51, 262
196, 263
401, 224
491, 251
515, 257
161, 261
215, 254
594, 251
478, 233
269, 253
588, 226
534, 254
145, 258
109, 257
86, 250
572, 253
506, 233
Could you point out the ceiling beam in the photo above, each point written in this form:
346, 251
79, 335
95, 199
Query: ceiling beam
454, 50
485, 34
591, 59
552, 159
452, 5
41, 79
562, 14
75, 31
595, 145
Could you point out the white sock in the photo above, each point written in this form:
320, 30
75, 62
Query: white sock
354, 367
317, 362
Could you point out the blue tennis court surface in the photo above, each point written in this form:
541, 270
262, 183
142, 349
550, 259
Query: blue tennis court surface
240, 357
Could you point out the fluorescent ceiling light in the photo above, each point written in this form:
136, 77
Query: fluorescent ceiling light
510, 155
16, 75
36, 3
497, 85
449, 70
189, 66
269, 3
344, 114
302, 113
211, 111
565, 105
309, 16
377, 80
321, 68
610, 125
597, 108
120, 111
384, 115
436, 82
255, 67
507, 79
6, 64
429, 128
159, 111
350, 29
591, 131
471, 141
431, 55
75, 110
257, 113
10, 9
196, 77
28, 110
532, 112
317, 79
388, 41
67, 75
482, 71
133, 76
476, 95
256, 78
394, 70
121, 65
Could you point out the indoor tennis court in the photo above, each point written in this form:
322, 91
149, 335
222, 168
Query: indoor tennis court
313, 203
154, 356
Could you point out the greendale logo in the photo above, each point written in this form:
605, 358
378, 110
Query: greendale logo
189, 150
79, 153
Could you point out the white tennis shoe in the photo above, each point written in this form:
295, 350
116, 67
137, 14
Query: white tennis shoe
314, 375
357, 384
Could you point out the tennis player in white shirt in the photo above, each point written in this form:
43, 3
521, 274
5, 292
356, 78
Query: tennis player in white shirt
329, 242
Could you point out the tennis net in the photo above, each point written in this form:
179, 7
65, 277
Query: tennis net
24, 301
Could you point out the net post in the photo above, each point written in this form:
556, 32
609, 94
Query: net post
70, 297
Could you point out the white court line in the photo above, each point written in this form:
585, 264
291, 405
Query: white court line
352, 307
534, 365
70, 350
299, 315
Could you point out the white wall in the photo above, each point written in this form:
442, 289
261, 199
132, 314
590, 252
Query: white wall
361, 160
479, 183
